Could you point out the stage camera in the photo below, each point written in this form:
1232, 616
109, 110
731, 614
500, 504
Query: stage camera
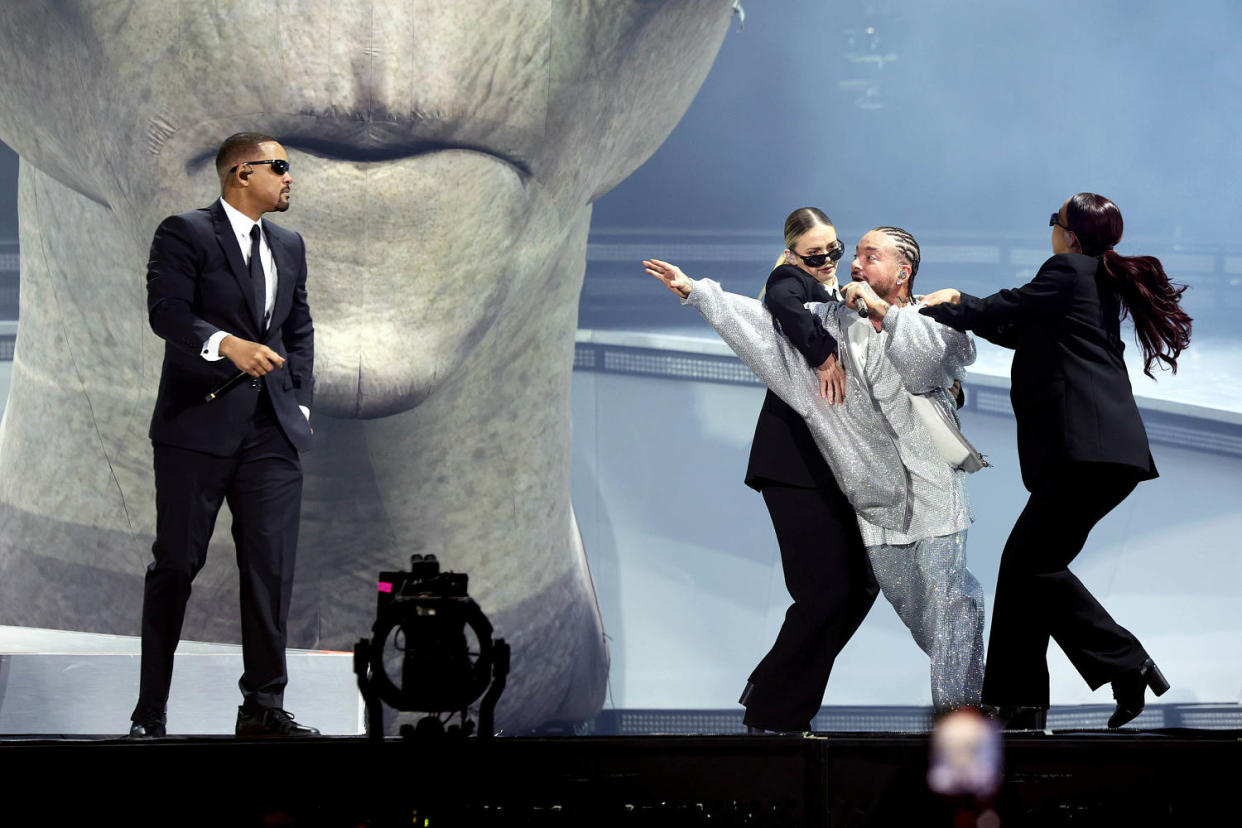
447, 655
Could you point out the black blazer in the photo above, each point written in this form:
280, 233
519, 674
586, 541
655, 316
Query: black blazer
783, 451
1069, 387
197, 284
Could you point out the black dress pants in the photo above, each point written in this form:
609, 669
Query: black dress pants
830, 580
262, 484
1037, 597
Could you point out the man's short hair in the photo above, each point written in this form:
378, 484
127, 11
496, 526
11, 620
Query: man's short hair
239, 148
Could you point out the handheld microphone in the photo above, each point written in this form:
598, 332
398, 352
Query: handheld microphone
227, 386
861, 305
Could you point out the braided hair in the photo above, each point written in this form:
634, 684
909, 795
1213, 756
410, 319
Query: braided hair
907, 249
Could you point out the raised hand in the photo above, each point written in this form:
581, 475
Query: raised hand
670, 275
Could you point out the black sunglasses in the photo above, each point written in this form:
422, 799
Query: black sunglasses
1055, 221
819, 259
279, 165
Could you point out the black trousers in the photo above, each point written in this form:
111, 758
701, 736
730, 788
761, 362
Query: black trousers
262, 484
830, 580
1037, 597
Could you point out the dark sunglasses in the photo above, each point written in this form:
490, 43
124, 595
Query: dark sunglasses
820, 259
279, 165
1055, 221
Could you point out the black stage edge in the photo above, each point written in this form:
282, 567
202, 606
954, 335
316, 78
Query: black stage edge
1142, 778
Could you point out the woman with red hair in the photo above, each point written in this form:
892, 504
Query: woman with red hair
1082, 448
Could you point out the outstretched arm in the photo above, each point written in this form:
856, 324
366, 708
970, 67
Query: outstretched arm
853, 438
744, 324
1004, 334
998, 317
829, 375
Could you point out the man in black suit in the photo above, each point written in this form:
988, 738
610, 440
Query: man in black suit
226, 291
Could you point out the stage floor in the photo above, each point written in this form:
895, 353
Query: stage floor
1149, 778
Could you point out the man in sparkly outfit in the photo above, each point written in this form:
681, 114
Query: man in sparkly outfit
912, 507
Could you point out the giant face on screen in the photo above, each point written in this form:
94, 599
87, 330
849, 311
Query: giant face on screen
442, 152
445, 156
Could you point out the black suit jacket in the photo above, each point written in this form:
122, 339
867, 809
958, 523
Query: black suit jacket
782, 450
1069, 387
197, 284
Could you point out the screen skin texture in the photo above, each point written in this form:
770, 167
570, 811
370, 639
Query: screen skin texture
445, 157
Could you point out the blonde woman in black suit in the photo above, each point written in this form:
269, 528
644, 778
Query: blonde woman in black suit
822, 555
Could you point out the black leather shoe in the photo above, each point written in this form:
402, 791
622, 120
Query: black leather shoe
1021, 717
150, 729
147, 721
1130, 690
269, 721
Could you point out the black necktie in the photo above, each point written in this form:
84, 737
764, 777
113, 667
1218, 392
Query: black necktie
258, 282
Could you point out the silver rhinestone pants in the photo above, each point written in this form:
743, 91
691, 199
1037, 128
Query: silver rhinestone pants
942, 605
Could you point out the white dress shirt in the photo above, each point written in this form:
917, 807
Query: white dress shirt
242, 225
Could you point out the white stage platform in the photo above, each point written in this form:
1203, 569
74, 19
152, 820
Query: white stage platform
61, 682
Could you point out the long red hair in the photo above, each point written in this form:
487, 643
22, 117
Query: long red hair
1147, 295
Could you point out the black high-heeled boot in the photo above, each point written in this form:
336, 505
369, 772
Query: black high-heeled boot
1130, 689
